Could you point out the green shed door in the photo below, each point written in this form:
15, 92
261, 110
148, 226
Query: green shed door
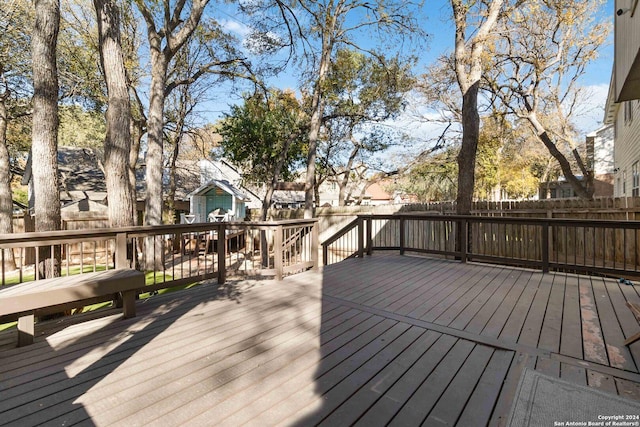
218, 198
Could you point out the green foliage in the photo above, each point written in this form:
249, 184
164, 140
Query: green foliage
434, 179
80, 128
254, 135
20, 195
360, 94
360, 90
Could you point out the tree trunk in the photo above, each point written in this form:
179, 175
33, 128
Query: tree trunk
154, 159
585, 192
173, 185
275, 177
183, 111
117, 144
6, 201
315, 124
137, 130
467, 154
45, 124
154, 140
342, 190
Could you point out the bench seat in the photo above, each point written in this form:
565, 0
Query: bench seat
25, 298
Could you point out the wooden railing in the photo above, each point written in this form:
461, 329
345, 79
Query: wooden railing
584, 246
172, 255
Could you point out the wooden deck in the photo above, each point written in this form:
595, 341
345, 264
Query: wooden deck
387, 339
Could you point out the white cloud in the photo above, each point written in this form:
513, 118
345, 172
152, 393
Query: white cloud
235, 27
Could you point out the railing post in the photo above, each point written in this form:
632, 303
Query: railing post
464, 239
315, 243
369, 235
121, 251
325, 255
222, 255
360, 236
545, 246
120, 262
402, 230
278, 252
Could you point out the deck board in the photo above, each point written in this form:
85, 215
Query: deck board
552, 323
617, 352
571, 339
532, 327
403, 340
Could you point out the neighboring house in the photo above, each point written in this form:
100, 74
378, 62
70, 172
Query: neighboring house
374, 194
622, 111
80, 175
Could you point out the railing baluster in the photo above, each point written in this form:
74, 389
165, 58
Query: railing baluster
22, 255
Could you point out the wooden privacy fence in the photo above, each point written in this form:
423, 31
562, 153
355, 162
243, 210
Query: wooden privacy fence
178, 254
585, 246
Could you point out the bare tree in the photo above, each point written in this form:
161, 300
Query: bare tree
166, 37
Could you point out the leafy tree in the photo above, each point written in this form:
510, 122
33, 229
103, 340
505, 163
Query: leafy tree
266, 138
544, 49
14, 64
432, 179
81, 128
474, 22
323, 27
360, 96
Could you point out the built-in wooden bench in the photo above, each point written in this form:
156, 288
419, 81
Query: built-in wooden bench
635, 309
25, 298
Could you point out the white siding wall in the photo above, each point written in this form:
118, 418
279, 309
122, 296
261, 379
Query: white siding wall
603, 151
627, 48
627, 148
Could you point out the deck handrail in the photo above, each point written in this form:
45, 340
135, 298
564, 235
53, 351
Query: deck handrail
181, 245
606, 247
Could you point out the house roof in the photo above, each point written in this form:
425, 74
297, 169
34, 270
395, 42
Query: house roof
611, 107
376, 192
80, 174
224, 185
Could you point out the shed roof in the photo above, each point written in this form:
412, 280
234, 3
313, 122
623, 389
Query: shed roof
224, 185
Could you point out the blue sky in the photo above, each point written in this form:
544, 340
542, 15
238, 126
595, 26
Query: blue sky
439, 26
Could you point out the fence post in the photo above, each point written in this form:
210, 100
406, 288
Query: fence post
369, 235
402, 242
278, 252
121, 251
545, 246
360, 236
222, 255
315, 243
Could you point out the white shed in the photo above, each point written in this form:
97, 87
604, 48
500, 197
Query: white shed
217, 200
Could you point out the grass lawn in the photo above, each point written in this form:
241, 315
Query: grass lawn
149, 279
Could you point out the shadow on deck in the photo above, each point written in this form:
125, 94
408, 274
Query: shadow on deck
382, 340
